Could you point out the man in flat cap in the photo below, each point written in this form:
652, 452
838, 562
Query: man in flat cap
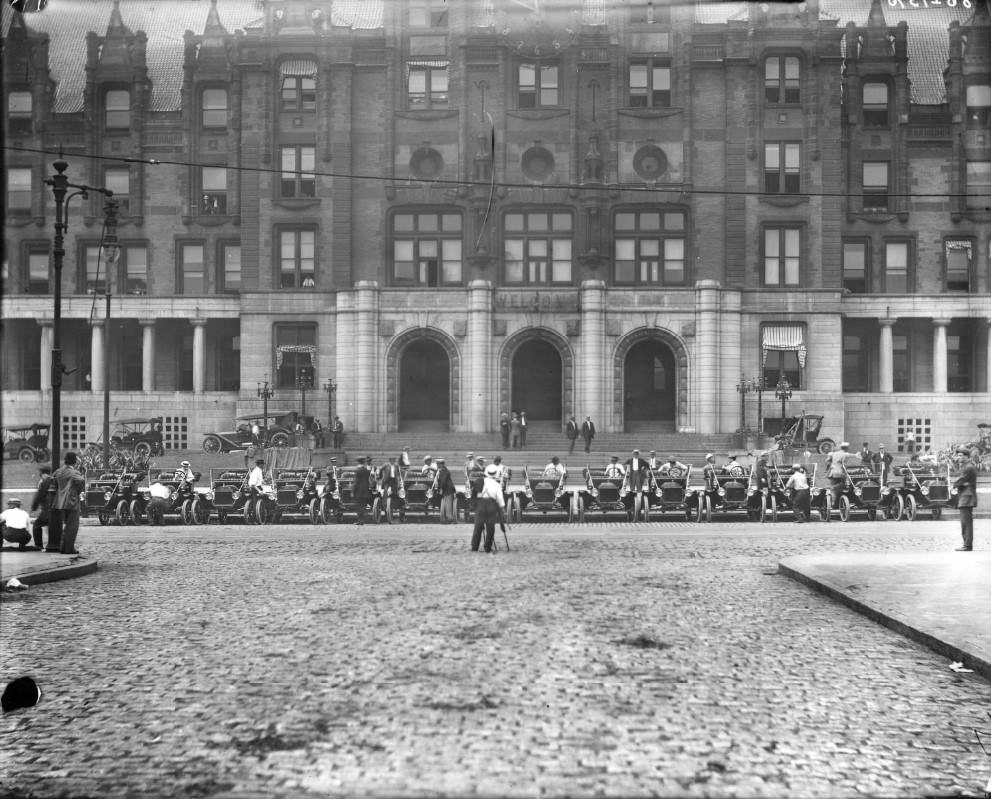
801, 501
966, 485
361, 490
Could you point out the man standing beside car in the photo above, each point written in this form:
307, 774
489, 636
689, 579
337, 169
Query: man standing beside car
69, 482
966, 485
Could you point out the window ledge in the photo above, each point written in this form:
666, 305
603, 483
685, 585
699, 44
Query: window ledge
784, 200
651, 113
537, 113
427, 113
296, 203
211, 220
874, 217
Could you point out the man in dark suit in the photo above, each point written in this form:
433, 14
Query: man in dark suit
361, 490
588, 432
866, 456
966, 485
572, 432
636, 470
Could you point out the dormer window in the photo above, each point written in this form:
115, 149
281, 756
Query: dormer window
979, 108
117, 105
214, 108
19, 107
875, 105
428, 13
299, 85
781, 80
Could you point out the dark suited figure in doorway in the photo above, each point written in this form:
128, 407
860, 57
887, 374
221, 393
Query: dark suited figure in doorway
571, 431
588, 432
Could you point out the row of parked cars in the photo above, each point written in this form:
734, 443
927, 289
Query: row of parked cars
323, 496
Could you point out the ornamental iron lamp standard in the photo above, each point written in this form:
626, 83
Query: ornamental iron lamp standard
60, 188
304, 382
331, 388
782, 391
757, 385
265, 394
111, 252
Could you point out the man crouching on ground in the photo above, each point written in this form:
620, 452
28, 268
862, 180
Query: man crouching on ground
489, 509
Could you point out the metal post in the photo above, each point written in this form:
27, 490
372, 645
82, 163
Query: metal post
111, 251
783, 392
760, 385
330, 388
265, 393
744, 387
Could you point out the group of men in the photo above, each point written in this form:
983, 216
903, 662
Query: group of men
587, 430
56, 501
513, 430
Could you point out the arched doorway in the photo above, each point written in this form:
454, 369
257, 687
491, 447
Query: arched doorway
424, 386
536, 381
650, 385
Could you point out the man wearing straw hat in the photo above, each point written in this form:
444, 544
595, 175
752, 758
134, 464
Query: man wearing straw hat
489, 508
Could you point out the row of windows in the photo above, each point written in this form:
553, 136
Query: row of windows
896, 274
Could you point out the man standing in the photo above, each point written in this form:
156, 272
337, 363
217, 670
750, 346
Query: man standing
836, 471
489, 509
882, 461
448, 491
572, 432
361, 490
588, 432
865, 454
404, 458
504, 429
338, 431
515, 431
42, 503
966, 485
636, 468
523, 427
69, 482
709, 473
798, 482
653, 462
14, 524
389, 478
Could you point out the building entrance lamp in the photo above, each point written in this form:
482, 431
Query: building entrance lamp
782, 391
60, 192
111, 254
304, 383
744, 387
756, 385
265, 394
331, 388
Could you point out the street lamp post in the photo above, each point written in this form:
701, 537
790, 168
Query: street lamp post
759, 386
782, 391
330, 387
303, 383
265, 394
60, 188
744, 387
111, 251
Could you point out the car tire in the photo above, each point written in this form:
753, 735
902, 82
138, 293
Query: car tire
316, 516
122, 513
826, 446
142, 449
708, 508
845, 507
137, 513
212, 444
104, 516
25, 455
937, 513
279, 439
200, 511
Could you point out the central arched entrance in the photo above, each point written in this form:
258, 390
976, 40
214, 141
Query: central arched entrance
537, 381
424, 386
649, 386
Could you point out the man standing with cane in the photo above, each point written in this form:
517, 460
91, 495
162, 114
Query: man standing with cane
489, 509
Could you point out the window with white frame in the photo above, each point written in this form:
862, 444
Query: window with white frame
19, 189
650, 248
214, 108
958, 254
229, 277
782, 167
298, 177
298, 88
117, 109
896, 267
427, 249
118, 180
856, 274
876, 185
783, 354
537, 247
650, 83
782, 80
19, 112
94, 274
38, 273
213, 190
191, 274
979, 185
537, 84
297, 258
134, 269
427, 84
979, 107
782, 253
875, 105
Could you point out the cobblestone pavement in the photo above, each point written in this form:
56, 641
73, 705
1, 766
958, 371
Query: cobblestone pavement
611, 660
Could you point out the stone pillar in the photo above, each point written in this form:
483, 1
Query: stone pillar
199, 355
345, 402
45, 355
366, 355
96, 356
480, 370
987, 352
939, 355
148, 354
706, 384
886, 358
594, 375
731, 357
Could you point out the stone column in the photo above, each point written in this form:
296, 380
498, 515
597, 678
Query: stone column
45, 355
199, 355
731, 357
594, 374
939, 355
96, 356
987, 366
147, 354
886, 358
345, 403
366, 355
706, 384
480, 370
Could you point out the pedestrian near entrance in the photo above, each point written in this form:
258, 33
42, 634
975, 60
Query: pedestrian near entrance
14, 523
489, 509
588, 432
448, 492
798, 482
64, 524
504, 430
865, 454
523, 426
515, 431
966, 485
42, 503
571, 431
338, 431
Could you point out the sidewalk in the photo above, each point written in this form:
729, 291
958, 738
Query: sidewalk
940, 599
33, 567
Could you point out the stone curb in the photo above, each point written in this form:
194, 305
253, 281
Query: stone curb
976, 662
38, 576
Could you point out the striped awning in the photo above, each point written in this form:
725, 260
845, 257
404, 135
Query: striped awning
784, 337
305, 349
298, 68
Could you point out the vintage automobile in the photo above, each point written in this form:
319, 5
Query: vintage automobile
730, 490
241, 436
802, 432
27, 443
103, 497
926, 487
229, 495
330, 497
342, 500
864, 490
612, 494
422, 496
671, 490
296, 494
544, 492
183, 501
142, 436
777, 498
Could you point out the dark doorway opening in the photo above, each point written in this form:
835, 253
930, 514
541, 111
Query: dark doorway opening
537, 381
649, 384
424, 386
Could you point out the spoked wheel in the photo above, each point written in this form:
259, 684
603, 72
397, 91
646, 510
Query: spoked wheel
699, 511
826, 514
708, 508
211, 444
316, 515
249, 512
581, 511
911, 507
136, 512
898, 507
26, 455
121, 514
104, 516
327, 511
872, 514
845, 508
572, 513
279, 440
636, 507
142, 449
388, 510
937, 512
763, 509
774, 508
645, 509
263, 513
200, 512
517, 510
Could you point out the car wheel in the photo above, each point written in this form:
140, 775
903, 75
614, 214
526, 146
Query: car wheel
937, 513
898, 507
826, 446
872, 514
645, 508
104, 516
263, 513
845, 508
122, 514
826, 514
201, 511
774, 508
186, 511
708, 508
316, 516
911, 507
377, 510
25, 455
388, 509
137, 513
211, 444
279, 439
142, 449
636, 507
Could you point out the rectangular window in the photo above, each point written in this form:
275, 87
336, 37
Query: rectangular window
426, 249
782, 167
293, 345
781, 80
979, 107
959, 357
213, 194
900, 363
855, 273
979, 184
39, 279
118, 109
875, 105
214, 112
855, 374
19, 189
427, 85
650, 248
95, 274
896, 256
782, 364
958, 254
650, 84
118, 180
538, 84
135, 269
299, 93
192, 270
876, 188
229, 280
19, 108
298, 165
428, 13
537, 248
782, 256
297, 259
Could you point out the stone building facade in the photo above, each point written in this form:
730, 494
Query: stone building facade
452, 209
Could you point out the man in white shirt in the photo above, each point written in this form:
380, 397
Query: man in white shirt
14, 524
490, 506
429, 468
257, 477
636, 468
653, 461
614, 469
184, 473
798, 482
555, 468
500, 468
674, 465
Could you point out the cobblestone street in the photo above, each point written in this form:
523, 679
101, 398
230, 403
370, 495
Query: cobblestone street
614, 659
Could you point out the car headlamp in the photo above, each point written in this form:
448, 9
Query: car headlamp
235, 494
208, 495
174, 496
925, 491
857, 491
402, 493
106, 496
299, 494
721, 492
595, 492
